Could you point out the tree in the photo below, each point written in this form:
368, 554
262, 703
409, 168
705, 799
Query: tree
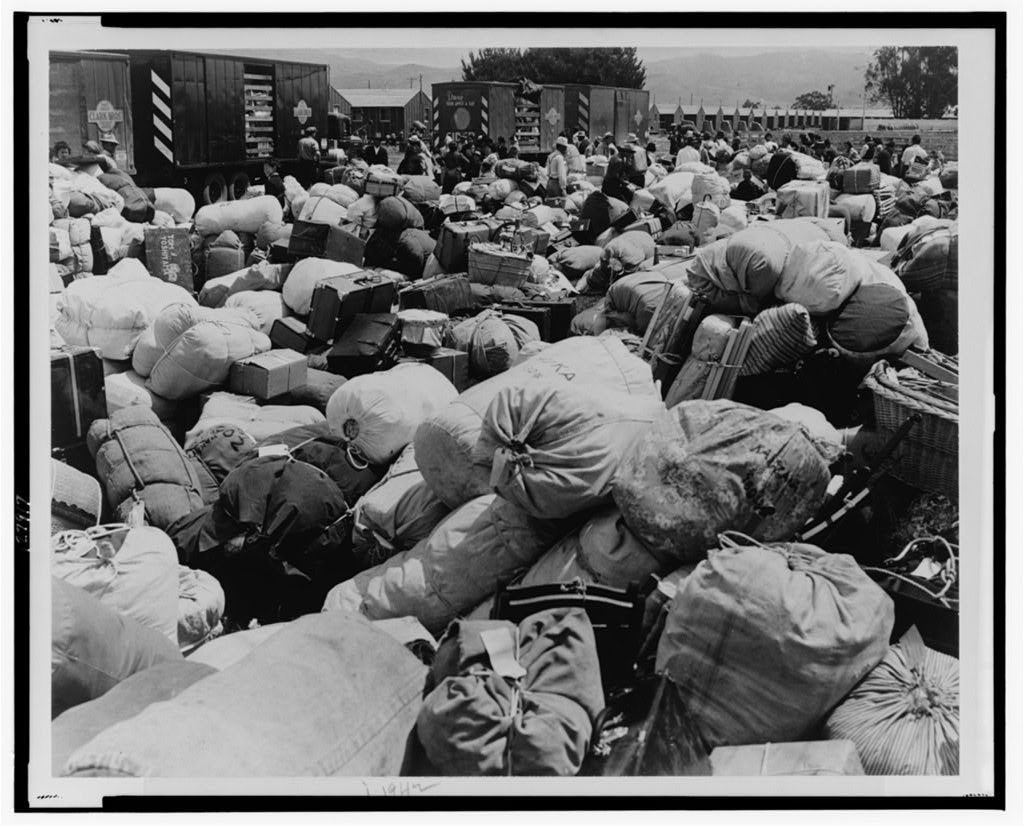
618, 66
751, 104
814, 101
493, 64
915, 81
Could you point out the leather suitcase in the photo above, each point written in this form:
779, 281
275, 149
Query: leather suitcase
453, 242
368, 344
279, 254
308, 240
540, 239
449, 294
291, 334
345, 246
383, 186
77, 393
541, 316
337, 300
561, 312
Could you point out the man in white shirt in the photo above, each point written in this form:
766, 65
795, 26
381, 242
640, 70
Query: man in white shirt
558, 168
688, 154
914, 152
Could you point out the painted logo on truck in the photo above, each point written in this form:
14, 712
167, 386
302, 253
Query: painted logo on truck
461, 111
106, 116
302, 112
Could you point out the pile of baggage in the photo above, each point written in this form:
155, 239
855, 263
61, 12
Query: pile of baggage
384, 481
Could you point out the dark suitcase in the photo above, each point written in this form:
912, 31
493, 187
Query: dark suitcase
453, 364
345, 246
615, 613
337, 300
453, 242
533, 236
781, 170
308, 240
625, 221
449, 294
561, 313
100, 259
279, 254
368, 344
541, 316
291, 334
77, 393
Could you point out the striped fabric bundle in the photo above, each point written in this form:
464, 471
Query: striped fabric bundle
782, 335
885, 200
904, 717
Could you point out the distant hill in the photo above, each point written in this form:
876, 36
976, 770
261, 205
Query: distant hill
349, 70
776, 77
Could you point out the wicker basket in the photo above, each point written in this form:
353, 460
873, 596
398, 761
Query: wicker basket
76, 499
929, 457
491, 264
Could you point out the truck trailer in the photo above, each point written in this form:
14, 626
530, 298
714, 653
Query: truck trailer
535, 119
206, 121
90, 96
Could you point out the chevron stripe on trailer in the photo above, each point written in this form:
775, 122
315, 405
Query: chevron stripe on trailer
163, 116
583, 113
484, 116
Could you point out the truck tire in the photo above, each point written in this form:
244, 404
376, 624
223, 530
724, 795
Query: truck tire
238, 185
215, 188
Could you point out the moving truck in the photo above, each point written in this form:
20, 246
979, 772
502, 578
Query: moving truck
90, 95
496, 109
204, 122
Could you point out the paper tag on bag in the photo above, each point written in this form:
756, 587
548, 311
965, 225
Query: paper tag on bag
273, 450
500, 644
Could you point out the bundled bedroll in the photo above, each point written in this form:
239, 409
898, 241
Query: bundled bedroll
475, 722
274, 539
553, 448
72, 239
308, 702
904, 717
178, 203
216, 453
266, 305
189, 349
632, 301
262, 276
395, 214
378, 413
710, 466
130, 569
475, 549
740, 273
137, 206
397, 512
493, 340
136, 456
445, 442
224, 255
764, 640
239, 216
112, 311
94, 647
260, 421
601, 552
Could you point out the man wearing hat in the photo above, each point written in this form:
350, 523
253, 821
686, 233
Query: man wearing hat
375, 153
583, 145
608, 147
109, 143
308, 153
558, 168
639, 157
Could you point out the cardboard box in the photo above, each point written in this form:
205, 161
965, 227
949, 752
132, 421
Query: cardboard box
823, 757
77, 393
169, 255
268, 375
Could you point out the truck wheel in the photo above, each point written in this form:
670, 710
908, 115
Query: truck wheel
215, 189
238, 185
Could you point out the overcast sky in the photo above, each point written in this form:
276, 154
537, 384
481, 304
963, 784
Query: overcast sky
446, 57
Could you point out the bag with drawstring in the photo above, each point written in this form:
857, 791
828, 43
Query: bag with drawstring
133, 570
